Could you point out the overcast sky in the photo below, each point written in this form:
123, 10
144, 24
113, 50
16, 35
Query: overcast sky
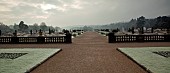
79, 12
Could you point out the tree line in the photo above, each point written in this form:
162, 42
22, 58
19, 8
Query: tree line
161, 22
24, 28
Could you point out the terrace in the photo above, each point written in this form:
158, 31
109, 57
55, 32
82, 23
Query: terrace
89, 52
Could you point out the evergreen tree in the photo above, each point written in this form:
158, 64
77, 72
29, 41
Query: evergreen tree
23, 27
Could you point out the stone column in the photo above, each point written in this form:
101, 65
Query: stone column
15, 39
68, 38
111, 37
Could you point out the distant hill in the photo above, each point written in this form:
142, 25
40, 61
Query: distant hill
159, 22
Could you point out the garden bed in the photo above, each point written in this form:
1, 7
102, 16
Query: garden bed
23, 60
152, 59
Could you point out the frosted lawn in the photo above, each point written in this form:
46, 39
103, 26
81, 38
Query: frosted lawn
22, 64
151, 61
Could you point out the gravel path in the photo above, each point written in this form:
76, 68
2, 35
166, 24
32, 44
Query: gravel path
89, 53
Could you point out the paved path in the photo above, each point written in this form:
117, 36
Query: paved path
89, 53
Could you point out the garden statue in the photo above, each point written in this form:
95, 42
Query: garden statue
15, 33
31, 32
40, 32
0, 32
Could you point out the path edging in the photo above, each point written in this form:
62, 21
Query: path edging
143, 67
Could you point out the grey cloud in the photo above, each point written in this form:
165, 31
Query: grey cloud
92, 11
22, 9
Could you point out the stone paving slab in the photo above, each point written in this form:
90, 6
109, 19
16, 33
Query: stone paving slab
153, 59
23, 60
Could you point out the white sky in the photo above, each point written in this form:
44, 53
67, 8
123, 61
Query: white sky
79, 12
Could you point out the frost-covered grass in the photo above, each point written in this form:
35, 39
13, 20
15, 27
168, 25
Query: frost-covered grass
104, 33
75, 34
26, 62
151, 61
